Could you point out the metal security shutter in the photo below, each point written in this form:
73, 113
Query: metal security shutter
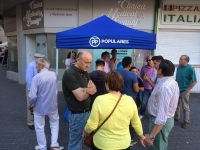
171, 44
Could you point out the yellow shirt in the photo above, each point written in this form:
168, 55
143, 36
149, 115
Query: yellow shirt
114, 134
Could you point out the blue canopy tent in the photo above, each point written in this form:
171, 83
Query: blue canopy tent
104, 33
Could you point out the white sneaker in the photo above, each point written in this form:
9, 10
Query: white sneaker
141, 117
57, 148
37, 147
133, 142
62, 147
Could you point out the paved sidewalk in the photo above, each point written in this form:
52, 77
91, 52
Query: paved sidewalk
15, 134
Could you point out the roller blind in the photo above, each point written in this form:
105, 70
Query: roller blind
172, 44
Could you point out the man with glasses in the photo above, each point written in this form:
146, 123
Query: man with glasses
156, 60
77, 88
146, 71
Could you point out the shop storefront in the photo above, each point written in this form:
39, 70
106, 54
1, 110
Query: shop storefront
10, 31
179, 32
36, 22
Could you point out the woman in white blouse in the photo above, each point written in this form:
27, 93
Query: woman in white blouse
71, 59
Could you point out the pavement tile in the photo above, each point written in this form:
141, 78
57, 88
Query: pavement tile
5, 137
11, 145
2, 145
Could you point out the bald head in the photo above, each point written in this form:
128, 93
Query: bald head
84, 60
149, 57
84, 54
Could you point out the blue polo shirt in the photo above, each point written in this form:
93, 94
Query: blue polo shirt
129, 79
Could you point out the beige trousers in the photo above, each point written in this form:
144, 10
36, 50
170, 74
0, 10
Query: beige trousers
30, 119
184, 98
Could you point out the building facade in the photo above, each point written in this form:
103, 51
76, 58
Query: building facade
31, 27
178, 32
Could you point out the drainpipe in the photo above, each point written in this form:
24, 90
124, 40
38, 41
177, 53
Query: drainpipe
157, 4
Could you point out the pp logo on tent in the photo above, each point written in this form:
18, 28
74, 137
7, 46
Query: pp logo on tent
94, 41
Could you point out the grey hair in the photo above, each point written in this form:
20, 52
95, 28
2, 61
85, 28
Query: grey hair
44, 62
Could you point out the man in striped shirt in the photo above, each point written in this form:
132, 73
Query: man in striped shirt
162, 106
43, 100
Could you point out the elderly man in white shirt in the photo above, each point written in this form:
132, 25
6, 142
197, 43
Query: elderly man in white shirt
113, 61
106, 57
31, 71
162, 106
43, 100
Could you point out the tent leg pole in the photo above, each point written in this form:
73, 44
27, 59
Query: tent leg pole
57, 61
57, 66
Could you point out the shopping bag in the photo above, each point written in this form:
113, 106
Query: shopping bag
66, 116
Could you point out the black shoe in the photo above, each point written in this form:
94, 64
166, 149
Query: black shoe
32, 127
176, 119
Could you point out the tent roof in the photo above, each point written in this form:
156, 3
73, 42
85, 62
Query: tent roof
103, 32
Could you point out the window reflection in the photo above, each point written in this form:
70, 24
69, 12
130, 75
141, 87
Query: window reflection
12, 54
62, 55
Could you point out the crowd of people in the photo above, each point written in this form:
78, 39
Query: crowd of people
91, 97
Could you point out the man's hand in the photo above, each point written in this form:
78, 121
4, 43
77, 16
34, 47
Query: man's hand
142, 140
30, 108
148, 141
90, 84
187, 92
91, 88
146, 78
84, 134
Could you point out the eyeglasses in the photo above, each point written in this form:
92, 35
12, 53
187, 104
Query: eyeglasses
148, 60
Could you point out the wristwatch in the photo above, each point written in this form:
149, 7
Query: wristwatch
152, 137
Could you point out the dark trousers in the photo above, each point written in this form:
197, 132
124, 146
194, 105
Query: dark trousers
95, 148
132, 132
145, 98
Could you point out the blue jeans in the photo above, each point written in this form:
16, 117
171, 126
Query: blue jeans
77, 123
145, 98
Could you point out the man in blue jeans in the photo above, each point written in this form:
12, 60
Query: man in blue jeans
77, 87
131, 87
146, 71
